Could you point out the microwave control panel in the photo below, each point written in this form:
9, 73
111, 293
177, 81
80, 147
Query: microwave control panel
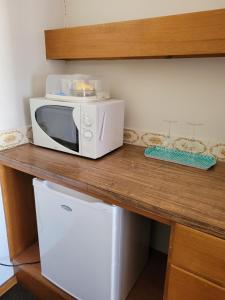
86, 120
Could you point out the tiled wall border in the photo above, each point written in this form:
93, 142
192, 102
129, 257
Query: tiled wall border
146, 139
16, 137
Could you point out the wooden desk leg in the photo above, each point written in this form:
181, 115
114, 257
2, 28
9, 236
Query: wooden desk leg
19, 207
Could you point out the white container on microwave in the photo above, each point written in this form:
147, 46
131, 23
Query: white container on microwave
89, 129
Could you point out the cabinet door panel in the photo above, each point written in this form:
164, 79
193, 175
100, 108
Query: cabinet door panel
183, 285
199, 253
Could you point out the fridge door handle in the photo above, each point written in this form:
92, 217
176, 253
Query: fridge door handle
66, 208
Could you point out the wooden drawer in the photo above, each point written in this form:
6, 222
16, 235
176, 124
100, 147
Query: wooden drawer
183, 285
199, 253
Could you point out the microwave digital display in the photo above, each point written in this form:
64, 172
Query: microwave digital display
58, 123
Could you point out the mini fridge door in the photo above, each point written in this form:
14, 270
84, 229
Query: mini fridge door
76, 241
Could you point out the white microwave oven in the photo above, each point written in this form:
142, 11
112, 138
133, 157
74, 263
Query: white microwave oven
89, 129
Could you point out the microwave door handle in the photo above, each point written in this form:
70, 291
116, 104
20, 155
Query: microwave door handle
76, 116
102, 129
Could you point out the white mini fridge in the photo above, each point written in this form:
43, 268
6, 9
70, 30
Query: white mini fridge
90, 249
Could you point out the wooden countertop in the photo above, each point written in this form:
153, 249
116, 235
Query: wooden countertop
162, 191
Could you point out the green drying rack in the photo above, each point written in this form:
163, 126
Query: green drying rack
196, 160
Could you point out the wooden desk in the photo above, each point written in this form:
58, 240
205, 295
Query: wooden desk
169, 193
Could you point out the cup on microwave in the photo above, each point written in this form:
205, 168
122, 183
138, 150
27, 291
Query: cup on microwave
66, 85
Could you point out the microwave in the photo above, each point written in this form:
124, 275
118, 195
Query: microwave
89, 129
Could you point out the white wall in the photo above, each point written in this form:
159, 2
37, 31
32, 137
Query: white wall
185, 90
22, 55
23, 70
83, 12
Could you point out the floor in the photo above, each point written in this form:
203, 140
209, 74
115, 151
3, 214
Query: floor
17, 293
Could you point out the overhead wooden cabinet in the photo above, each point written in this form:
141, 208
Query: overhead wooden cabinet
184, 35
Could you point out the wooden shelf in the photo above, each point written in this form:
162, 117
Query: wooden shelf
184, 35
151, 282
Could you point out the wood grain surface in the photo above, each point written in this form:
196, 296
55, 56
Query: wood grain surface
7, 285
183, 285
159, 190
199, 253
190, 34
19, 207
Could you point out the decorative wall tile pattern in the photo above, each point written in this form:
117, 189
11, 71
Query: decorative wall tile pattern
153, 139
146, 139
218, 151
130, 136
189, 145
14, 137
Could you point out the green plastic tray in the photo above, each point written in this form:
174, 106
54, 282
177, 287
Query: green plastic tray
196, 160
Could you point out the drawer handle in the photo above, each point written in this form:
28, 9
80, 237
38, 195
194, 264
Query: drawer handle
67, 208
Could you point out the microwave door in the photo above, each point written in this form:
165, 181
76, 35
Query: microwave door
58, 123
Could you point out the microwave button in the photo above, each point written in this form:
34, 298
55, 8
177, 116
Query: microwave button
87, 121
88, 134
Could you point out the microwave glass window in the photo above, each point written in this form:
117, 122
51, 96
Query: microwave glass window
58, 123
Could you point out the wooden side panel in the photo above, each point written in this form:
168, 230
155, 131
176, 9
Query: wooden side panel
165, 294
183, 285
192, 34
7, 286
199, 253
19, 206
